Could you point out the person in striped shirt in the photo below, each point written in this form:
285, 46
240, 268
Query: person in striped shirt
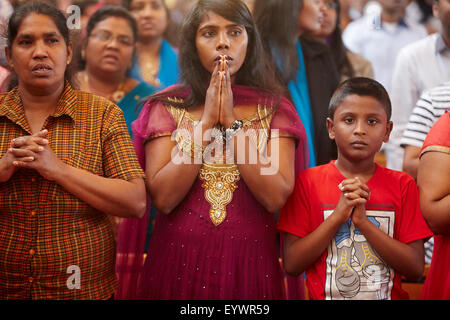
427, 111
431, 105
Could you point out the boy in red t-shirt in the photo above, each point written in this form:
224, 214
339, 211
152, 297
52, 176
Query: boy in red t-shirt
352, 225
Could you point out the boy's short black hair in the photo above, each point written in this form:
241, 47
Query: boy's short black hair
362, 87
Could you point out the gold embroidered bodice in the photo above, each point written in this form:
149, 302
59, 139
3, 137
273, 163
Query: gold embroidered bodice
220, 179
219, 182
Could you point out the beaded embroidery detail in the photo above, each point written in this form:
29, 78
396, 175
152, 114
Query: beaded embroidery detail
219, 180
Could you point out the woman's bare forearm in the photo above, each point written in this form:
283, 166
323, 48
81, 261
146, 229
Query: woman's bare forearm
116, 197
437, 214
171, 171
170, 185
434, 191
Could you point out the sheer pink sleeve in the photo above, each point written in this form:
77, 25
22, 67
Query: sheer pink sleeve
153, 121
287, 121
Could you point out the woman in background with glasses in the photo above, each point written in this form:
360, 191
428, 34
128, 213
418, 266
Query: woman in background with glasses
107, 53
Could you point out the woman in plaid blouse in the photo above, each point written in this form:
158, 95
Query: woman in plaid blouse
67, 162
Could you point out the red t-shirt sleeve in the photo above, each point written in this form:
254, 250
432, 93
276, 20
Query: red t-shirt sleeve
412, 226
295, 216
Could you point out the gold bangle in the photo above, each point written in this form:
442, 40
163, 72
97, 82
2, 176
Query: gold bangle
190, 147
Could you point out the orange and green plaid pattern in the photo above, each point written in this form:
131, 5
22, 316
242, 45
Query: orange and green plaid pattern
53, 245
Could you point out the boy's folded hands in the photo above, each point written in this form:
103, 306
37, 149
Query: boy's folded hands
354, 195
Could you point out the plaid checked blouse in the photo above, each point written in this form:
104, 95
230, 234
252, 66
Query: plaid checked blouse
53, 245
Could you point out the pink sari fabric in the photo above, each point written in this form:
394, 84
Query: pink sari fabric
191, 258
4, 74
437, 282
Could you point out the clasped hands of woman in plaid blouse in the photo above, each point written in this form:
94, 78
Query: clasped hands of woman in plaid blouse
67, 162
32, 152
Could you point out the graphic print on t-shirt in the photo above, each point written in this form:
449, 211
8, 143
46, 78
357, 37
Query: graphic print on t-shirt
354, 270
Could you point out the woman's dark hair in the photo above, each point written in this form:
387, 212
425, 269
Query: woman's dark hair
337, 47
22, 12
360, 86
108, 11
426, 9
277, 21
171, 33
98, 16
256, 70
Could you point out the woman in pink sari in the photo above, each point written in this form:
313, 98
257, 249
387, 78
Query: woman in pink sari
434, 190
221, 153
